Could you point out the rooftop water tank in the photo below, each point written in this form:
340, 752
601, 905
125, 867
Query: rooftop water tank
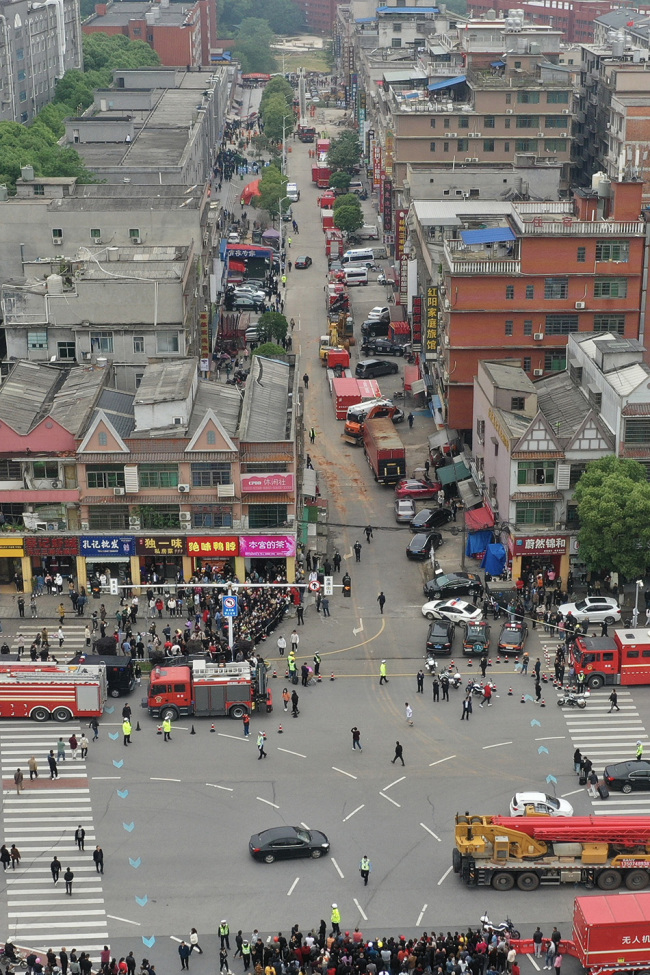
54, 283
27, 172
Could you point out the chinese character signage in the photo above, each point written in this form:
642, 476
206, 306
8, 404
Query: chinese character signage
431, 345
264, 546
263, 483
376, 165
388, 205
208, 545
403, 279
416, 318
541, 545
116, 545
401, 233
160, 545
43, 546
11, 548
362, 107
390, 150
205, 333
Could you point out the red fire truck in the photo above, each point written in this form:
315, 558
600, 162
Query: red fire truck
209, 690
58, 693
623, 658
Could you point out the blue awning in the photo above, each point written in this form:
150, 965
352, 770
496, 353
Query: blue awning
437, 85
488, 236
497, 64
407, 10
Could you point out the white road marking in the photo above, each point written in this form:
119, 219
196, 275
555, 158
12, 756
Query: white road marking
268, 802
421, 915
304, 825
498, 745
224, 787
349, 774
387, 787
531, 959
350, 815
234, 737
574, 793
360, 909
434, 836
289, 752
390, 800
338, 869
441, 760
126, 920
293, 887
153, 778
445, 875
173, 937
551, 738
103, 778
359, 628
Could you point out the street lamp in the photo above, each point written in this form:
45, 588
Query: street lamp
284, 149
635, 612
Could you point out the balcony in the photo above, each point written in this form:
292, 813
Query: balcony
473, 260
571, 227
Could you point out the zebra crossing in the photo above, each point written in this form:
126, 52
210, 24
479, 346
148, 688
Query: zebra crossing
75, 639
41, 821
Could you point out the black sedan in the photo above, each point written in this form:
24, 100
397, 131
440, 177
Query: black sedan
422, 545
440, 636
284, 842
512, 638
429, 518
628, 776
450, 584
302, 262
382, 347
244, 303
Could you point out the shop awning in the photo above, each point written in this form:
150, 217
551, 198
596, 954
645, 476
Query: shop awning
491, 235
447, 83
458, 471
40, 497
309, 482
468, 492
479, 518
401, 328
439, 439
237, 266
411, 375
497, 64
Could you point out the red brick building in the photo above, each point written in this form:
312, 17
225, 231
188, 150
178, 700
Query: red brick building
574, 17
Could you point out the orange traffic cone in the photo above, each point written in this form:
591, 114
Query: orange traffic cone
509, 692
212, 730
542, 703
275, 673
498, 659
332, 677
159, 732
280, 729
523, 699
469, 662
319, 679
489, 661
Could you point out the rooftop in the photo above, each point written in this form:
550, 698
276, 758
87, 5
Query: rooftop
563, 404
119, 14
118, 408
118, 196
166, 382
268, 403
33, 391
509, 376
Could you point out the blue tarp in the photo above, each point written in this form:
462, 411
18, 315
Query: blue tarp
488, 236
437, 85
497, 64
407, 10
494, 560
477, 542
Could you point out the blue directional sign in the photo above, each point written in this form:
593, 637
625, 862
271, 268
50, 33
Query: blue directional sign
230, 605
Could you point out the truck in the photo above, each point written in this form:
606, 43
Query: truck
336, 358
623, 658
320, 175
120, 672
357, 416
346, 392
322, 148
532, 851
306, 132
203, 689
384, 450
56, 692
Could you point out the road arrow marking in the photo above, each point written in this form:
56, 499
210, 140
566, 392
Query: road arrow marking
542, 749
129, 827
135, 863
141, 900
122, 793
115, 736
118, 764
350, 554
358, 629
148, 942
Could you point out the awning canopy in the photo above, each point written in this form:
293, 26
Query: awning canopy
447, 83
458, 471
270, 234
488, 236
468, 492
411, 375
400, 328
479, 518
309, 482
439, 439
497, 64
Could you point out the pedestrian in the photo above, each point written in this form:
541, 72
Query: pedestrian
436, 688
167, 729
80, 836
33, 768
15, 856
537, 668
305, 380
223, 961
365, 866
184, 954
68, 876
420, 680
74, 744
63, 962
18, 779
383, 679
126, 731
312, 435
295, 640
381, 599
194, 942
550, 955
294, 704
639, 751
261, 738
398, 753
282, 645
538, 690
300, 614
286, 697
444, 684
538, 937
577, 761
21, 605
5, 856
411, 420
336, 920
487, 696
356, 738
483, 663
55, 868
317, 664
87, 635
557, 962
98, 859
525, 660
51, 761
467, 708
408, 712
357, 550
613, 700
94, 724
60, 750
224, 934
289, 265
604, 629
593, 783
83, 746
246, 721
368, 531
440, 497
325, 603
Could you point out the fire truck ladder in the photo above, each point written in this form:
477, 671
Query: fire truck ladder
626, 831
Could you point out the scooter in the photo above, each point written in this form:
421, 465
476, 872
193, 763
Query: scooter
455, 680
473, 687
431, 665
572, 700
505, 926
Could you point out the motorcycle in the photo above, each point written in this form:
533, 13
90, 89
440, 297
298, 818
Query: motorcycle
473, 687
572, 700
505, 927
456, 680
381, 278
431, 665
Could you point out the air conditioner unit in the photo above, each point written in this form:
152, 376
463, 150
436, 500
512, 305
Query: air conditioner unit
475, 159
136, 240
580, 305
565, 111
184, 516
468, 158
57, 241
118, 492
538, 372
225, 490
452, 135
183, 488
563, 135
134, 521
96, 240
538, 336
540, 135
509, 111
85, 526
56, 484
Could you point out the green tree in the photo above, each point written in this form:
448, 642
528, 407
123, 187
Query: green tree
613, 498
340, 180
347, 200
348, 218
277, 86
253, 46
109, 51
272, 326
282, 16
269, 350
345, 152
278, 119
273, 188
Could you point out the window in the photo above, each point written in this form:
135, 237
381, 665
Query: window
134, 233
22, 96
637, 431
158, 475
610, 323
44, 470
495, 442
138, 344
527, 121
432, 147
208, 475
211, 517
528, 326
535, 513
555, 361
445, 147
530, 292
508, 98
22, 74
397, 28
581, 256
556, 288
506, 147
555, 145
555, 122
104, 475
488, 145
507, 123
37, 340
102, 438
610, 288
517, 403
154, 516
527, 363
39, 189
510, 327
139, 376
557, 97
561, 324
167, 341
463, 122
396, 42
510, 292
577, 470
101, 341
535, 471
528, 97
10, 471
65, 350
267, 515
489, 122
211, 438
95, 234
57, 233
572, 519
613, 250
480, 430
107, 517
525, 145
20, 54
462, 145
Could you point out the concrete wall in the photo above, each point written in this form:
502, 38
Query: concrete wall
482, 183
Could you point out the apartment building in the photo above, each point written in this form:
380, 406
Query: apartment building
575, 18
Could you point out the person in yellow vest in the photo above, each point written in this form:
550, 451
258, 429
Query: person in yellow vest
126, 731
336, 920
167, 729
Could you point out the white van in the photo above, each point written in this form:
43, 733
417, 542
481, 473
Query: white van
368, 232
358, 258
353, 276
293, 193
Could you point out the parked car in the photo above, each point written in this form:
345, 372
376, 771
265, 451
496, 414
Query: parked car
335, 265
454, 610
454, 584
233, 237
246, 303
245, 292
628, 776
596, 609
379, 313
429, 518
302, 262
538, 803
371, 368
440, 637
421, 546
374, 346
284, 842
404, 510
476, 638
410, 487
512, 638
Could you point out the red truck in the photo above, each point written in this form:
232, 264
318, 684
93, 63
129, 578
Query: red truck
347, 392
320, 175
623, 658
322, 148
384, 450
306, 133
204, 689
56, 692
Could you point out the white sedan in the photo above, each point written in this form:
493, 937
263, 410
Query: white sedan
539, 804
596, 609
454, 610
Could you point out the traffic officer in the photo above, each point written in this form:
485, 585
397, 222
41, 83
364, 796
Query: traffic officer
639, 751
581, 683
246, 955
365, 867
336, 920
383, 679
126, 731
224, 934
167, 729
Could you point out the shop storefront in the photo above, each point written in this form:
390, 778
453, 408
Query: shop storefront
269, 556
13, 562
216, 556
52, 554
540, 553
162, 554
108, 556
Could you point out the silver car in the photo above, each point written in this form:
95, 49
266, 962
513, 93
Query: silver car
404, 510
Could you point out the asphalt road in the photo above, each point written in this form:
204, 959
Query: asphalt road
174, 818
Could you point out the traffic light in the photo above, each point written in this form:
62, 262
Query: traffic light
114, 591
347, 586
